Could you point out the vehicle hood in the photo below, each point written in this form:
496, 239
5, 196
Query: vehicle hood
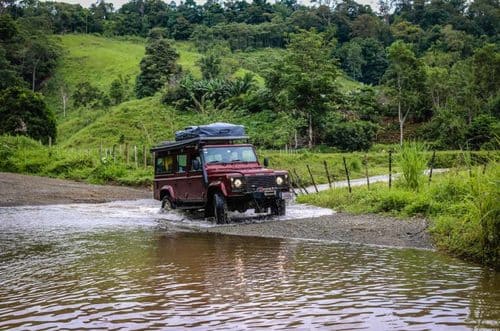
245, 170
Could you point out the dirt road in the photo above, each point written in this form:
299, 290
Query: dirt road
17, 190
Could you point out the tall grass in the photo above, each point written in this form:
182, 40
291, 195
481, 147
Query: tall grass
463, 208
412, 161
485, 210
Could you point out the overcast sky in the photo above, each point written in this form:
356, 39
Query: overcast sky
117, 3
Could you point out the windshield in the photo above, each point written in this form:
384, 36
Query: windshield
229, 154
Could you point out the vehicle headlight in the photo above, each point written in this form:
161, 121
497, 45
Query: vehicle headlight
237, 183
279, 180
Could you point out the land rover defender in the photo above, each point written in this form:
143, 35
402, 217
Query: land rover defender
213, 167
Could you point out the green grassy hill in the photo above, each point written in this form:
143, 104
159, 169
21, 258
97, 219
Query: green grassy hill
100, 60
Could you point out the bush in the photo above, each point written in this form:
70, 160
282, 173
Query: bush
412, 161
23, 112
87, 95
481, 131
447, 128
69, 164
393, 200
351, 136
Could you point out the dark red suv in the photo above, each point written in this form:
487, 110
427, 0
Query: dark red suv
208, 167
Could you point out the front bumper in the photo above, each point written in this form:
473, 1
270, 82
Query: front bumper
276, 194
261, 194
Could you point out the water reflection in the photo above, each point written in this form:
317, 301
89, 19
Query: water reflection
55, 274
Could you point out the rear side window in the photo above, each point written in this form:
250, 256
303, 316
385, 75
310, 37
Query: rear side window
165, 164
181, 163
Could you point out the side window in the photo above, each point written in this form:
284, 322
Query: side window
164, 164
193, 159
181, 163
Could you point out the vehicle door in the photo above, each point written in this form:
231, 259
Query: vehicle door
181, 181
196, 188
164, 172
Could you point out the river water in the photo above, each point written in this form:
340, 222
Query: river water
121, 266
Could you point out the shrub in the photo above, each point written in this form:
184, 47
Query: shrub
481, 131
393, 200
412, 161
23, 112
351, 136
69, 164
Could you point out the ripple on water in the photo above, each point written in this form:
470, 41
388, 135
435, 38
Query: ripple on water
82, 267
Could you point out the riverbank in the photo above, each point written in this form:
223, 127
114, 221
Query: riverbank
21, 190
368, 229
461, 205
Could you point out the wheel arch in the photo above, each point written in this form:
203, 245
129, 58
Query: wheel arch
167, 190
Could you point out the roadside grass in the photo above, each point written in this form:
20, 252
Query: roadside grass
463, 208
23, 155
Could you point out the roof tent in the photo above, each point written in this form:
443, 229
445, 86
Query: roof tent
211, 130
215, 133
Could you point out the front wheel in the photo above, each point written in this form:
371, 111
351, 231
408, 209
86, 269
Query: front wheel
219, 206
278, 208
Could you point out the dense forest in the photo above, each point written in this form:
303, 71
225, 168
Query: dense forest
427, 70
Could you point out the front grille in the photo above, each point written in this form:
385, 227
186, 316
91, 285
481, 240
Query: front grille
255, 182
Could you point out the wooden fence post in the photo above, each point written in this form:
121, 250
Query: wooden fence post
347, 174
300, 181
390, 169
366, 172
126, 153
144, 156
296, 182
135, 156
312, 178
432, 165
327, 174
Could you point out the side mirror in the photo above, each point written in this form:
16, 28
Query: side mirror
266, 162
196, 165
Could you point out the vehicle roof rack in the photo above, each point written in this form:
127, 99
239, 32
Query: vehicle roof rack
170, 145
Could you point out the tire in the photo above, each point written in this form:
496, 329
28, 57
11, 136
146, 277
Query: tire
278, 208
167, 204
219, 206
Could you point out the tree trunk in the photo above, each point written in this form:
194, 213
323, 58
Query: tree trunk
400, 114
34, 76
401, 124
310, 131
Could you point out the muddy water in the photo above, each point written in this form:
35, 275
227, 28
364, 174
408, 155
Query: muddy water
120, 266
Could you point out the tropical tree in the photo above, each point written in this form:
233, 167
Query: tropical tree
158, 66
305, 78
406, 78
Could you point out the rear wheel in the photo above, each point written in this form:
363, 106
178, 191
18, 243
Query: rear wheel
278, 208
166, 203
219, 206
